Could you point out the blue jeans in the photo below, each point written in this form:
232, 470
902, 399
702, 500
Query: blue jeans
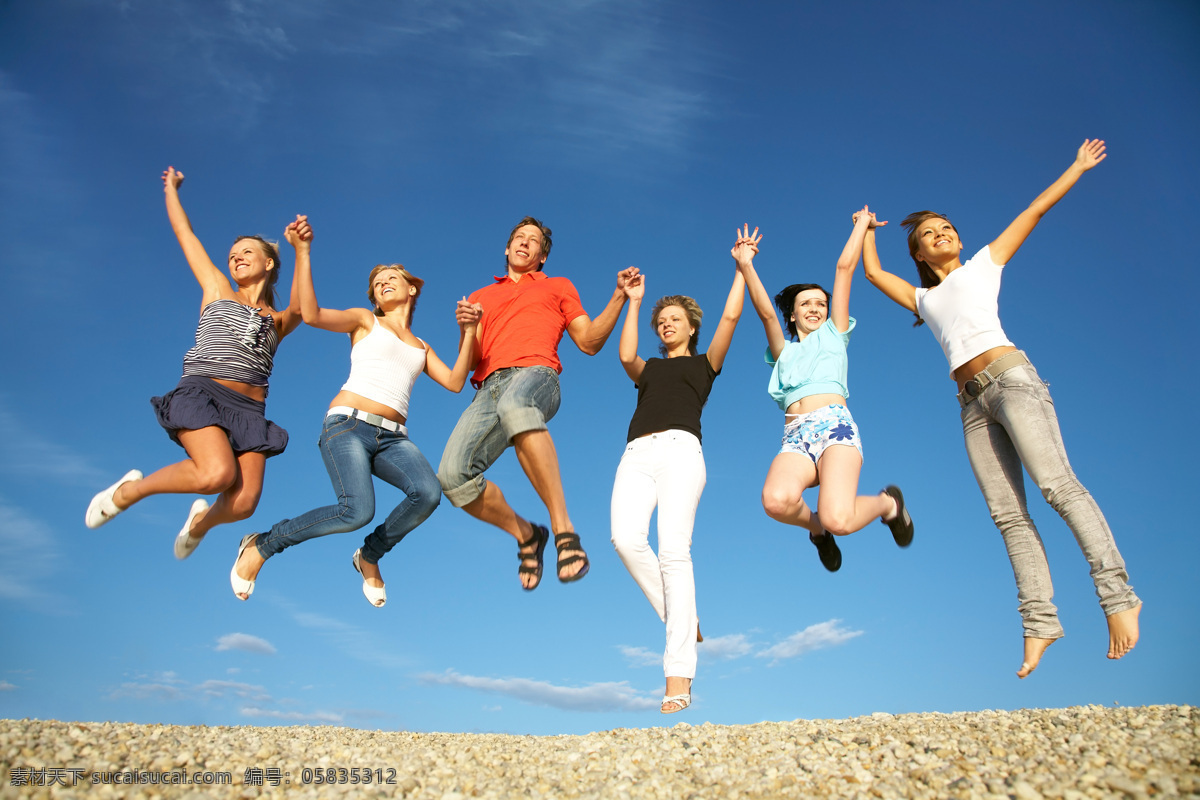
1012, 422
353, 450
510, 402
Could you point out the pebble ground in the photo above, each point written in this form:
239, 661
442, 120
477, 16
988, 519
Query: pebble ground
1071, 753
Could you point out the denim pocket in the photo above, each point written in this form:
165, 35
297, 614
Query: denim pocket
336, 425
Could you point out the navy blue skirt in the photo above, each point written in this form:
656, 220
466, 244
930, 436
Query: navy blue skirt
199, 402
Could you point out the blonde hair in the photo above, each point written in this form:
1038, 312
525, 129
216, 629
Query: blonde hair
690, 307
413, 281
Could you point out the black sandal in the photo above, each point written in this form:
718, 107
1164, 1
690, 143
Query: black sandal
827, 549
538, 541
901, 525
569, 540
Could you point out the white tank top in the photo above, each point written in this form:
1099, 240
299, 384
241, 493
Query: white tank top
383, 368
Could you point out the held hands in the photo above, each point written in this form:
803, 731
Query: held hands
468, 315
625, 275
746, 246
635, 287
872, 223
299, 233
172, 179
1091, 153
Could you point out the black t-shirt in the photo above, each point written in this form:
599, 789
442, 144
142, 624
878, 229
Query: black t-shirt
671, 394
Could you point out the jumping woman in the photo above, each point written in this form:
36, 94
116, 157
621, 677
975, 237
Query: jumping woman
365, 430
821, 444
1007, 414
663, 463
217, 412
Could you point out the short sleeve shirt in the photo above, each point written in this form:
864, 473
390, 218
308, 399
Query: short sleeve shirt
816, 364
963, 312
671, 394
523, 322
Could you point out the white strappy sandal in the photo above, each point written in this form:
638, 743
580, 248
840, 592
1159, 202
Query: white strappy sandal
376, 595
680, 700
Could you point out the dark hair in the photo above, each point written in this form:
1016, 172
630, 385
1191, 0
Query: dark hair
547, 241
785, 301
271, 251
690, 307
413, 280
929, 278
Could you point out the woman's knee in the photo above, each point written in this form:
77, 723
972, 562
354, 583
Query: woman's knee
779, 503
243, 506
214, 477
426, 495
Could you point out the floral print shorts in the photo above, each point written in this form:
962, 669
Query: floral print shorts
809, 434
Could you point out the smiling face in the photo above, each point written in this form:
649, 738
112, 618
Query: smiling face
525, 251
810, 309
249, 260
934, 240
673, 327
389, 288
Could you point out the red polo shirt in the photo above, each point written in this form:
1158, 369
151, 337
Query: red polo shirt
523, 322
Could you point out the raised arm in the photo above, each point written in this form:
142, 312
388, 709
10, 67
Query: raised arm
455, 379
899, 290
212, 281
839, 310
719, 347
328, 319
468, 313
1090, 153
589, 335
635, 290
744, 256
290, 318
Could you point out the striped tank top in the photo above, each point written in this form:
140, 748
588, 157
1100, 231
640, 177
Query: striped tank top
233, 342
384, 368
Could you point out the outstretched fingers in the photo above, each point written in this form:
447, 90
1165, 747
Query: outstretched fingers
1090, 153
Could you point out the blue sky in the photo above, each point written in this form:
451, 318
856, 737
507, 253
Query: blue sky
643, 133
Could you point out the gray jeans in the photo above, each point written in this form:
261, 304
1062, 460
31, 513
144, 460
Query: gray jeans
1011, 423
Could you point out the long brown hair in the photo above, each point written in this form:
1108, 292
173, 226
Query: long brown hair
911, 223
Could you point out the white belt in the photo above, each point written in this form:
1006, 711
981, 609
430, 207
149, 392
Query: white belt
370, 419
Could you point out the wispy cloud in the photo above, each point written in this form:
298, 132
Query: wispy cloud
814, 637
29, 455
640, 656
352, 641
5, 686
611, 696
292, 716
246, 643
27, 555
735, 645
169, 687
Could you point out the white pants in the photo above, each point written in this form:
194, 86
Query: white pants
664, 469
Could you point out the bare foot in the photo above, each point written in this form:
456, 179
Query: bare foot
1033, 654
1123, 631
677, 686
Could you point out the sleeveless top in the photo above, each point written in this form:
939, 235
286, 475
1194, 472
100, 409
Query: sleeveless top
383, 368
234, 342
671, 395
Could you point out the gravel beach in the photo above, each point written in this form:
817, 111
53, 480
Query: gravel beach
1071, 753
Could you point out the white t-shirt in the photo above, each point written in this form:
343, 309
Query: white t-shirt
963, 313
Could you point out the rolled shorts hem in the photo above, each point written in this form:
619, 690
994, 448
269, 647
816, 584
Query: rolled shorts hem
460, 496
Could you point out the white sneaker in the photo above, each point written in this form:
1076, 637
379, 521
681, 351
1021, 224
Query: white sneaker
185, 543
102, 508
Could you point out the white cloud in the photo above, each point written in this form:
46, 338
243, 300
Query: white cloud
166, 686
27, 556
611, 696
640, 656
735, 645
292, 716
5, 686
246, 643
814, 637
